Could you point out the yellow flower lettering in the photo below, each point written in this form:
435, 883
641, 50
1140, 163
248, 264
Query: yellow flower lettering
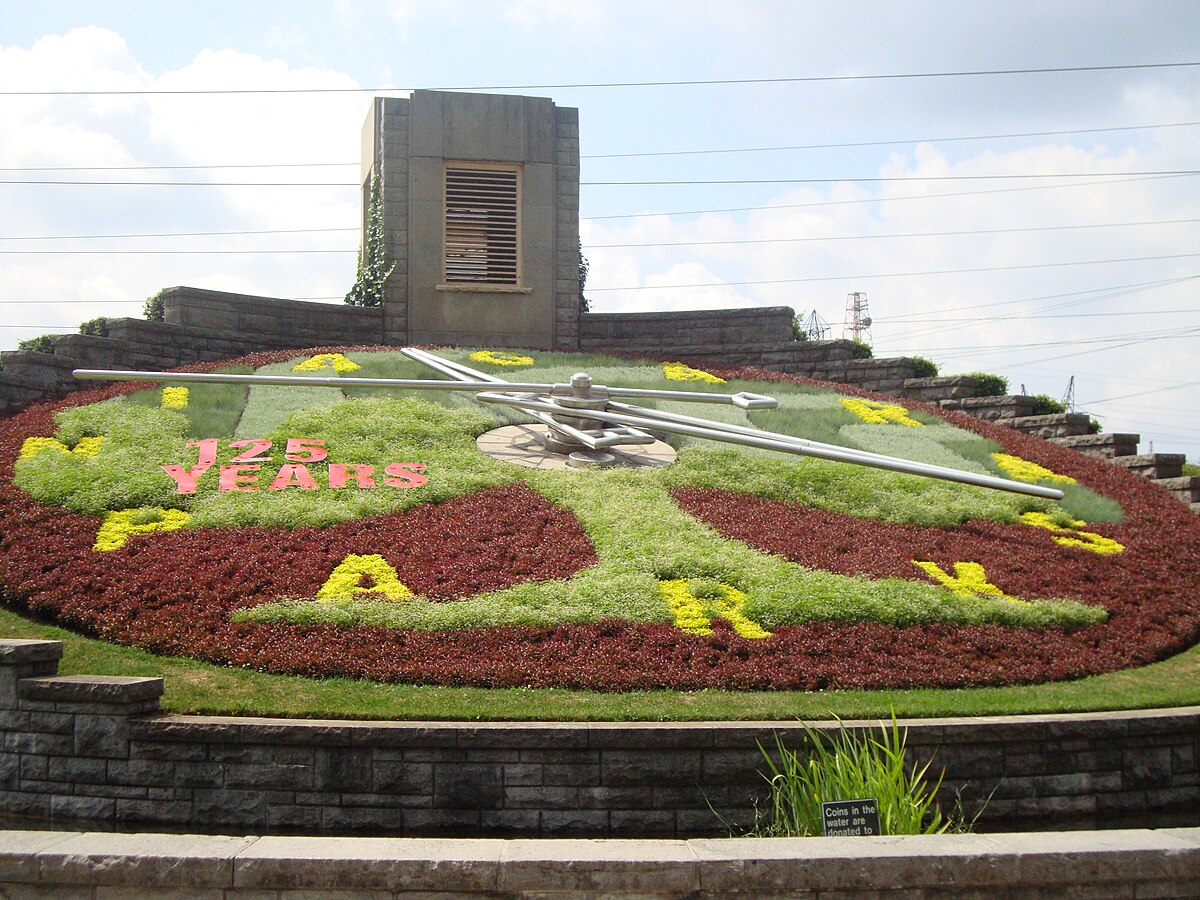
335, 361
174, 398
969, 580
1070, 535
501, 358
677, 371
120, 524
1024, 470
875, 413
688, 610
87, 446
346, 580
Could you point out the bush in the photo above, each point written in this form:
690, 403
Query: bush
926, 368
861, 349
153, 309
1045, 405
1094, 427
97, 327
847, 766
988, 384
41, 343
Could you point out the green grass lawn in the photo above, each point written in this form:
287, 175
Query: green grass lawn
194, 687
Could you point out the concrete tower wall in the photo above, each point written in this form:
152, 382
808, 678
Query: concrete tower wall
407, 144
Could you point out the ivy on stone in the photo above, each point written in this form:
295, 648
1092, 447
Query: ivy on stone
374, 267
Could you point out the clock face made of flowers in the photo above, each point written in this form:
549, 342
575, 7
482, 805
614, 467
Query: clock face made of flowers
341, 530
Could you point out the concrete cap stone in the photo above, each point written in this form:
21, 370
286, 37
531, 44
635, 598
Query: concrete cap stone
161, 860
19, 853
598, 867
19, 652
91, 688
374, 864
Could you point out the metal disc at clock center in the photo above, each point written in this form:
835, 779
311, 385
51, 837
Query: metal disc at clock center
523, 445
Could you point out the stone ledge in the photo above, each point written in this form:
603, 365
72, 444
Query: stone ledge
1110, 863
117, 689
1108, 445
610, 735
20, 652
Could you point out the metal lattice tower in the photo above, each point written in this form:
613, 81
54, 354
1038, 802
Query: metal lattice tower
857, 324
815, 328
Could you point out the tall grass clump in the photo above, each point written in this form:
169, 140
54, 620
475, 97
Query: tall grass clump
849, 766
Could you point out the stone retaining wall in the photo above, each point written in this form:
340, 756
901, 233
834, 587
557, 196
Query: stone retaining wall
164, 866
205, 325
689, 333
94, 748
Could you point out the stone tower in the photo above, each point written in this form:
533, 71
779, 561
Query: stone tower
480, 196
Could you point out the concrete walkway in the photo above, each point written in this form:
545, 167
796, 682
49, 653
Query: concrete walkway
1133, 863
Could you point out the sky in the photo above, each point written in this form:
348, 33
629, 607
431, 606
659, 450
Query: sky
1044, 226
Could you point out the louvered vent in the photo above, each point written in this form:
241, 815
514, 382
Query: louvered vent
481, 225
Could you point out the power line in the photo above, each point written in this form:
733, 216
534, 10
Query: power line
1010, 190
1103, 290
1173, 387
727, 181
165, 252
850, 144
1096, 295
1087, 262
92, 237
920, 234
974, 351
1022, 318
117, 302
53, 181
727, 150
152, 168
851, 237
809, 79
880, 179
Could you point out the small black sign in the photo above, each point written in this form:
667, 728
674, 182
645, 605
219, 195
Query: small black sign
850, 818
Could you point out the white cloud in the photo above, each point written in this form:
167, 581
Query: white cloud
579, 17
169, 130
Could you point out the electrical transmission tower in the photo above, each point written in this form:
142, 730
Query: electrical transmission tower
1069, 397
815, 328
857, 324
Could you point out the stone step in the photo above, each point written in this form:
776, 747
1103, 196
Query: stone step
939, 388
1057, 425
46, 370
1104, 446
1012, 406
1185, 488
1153, 465
1195, 508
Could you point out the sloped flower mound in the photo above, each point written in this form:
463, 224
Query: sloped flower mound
351, 531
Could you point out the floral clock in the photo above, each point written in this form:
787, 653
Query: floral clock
344, 530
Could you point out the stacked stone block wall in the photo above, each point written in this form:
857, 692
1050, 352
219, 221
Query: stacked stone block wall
95, 748
205, 325
722, 334
255, 323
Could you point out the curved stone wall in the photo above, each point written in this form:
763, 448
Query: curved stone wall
96, 749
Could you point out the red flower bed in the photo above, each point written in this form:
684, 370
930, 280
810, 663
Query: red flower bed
173, 592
